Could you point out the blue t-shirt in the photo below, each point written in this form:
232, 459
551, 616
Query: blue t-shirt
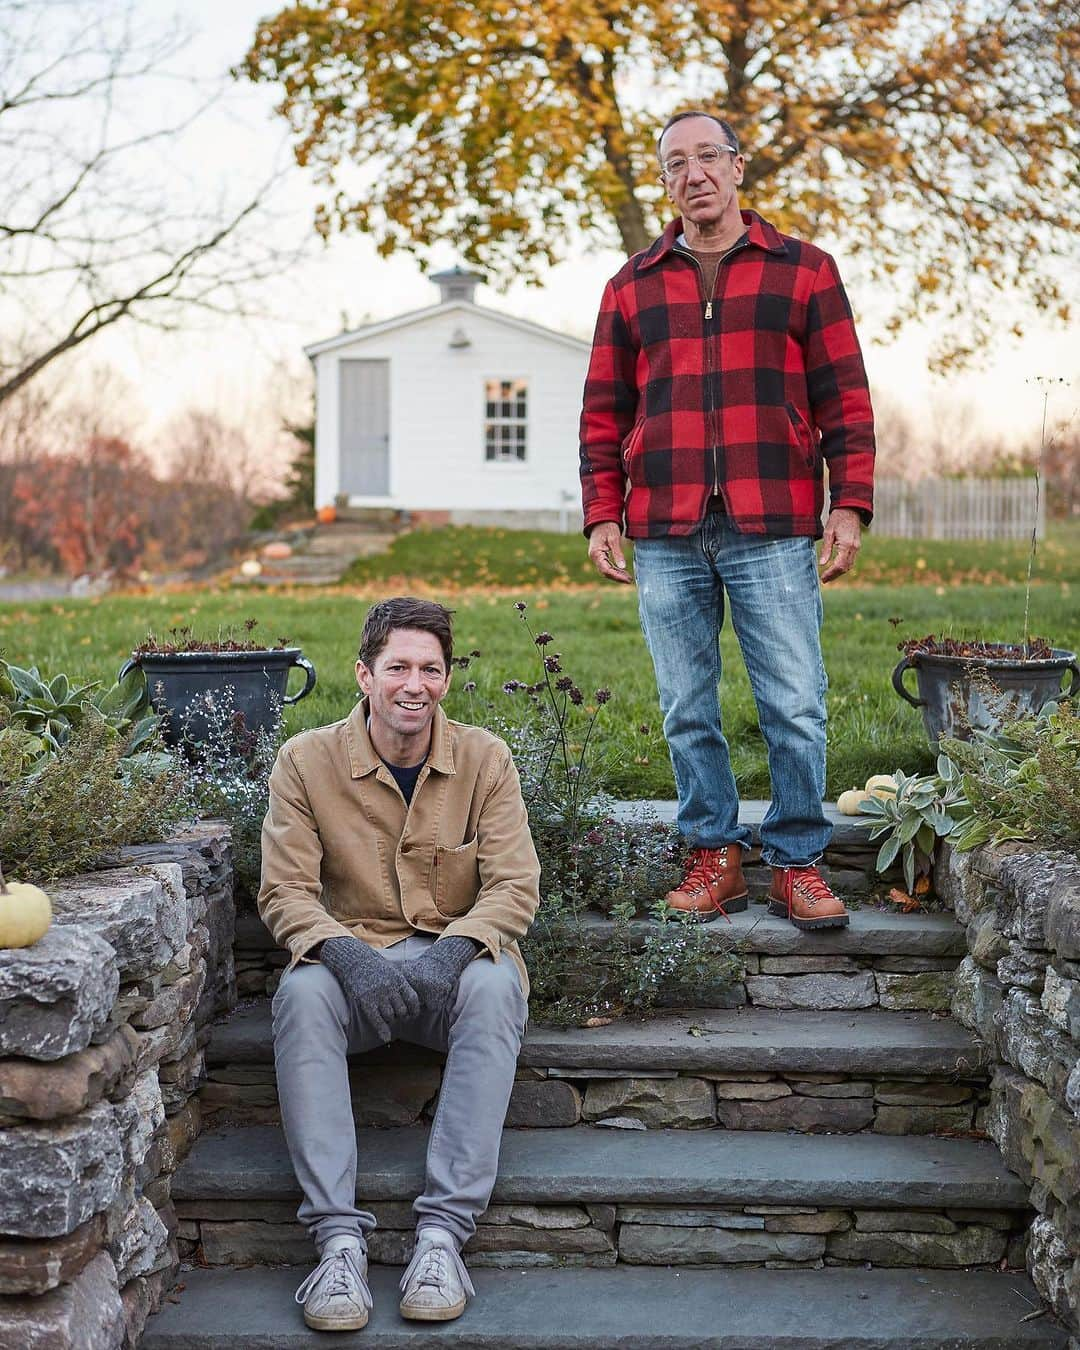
405, 778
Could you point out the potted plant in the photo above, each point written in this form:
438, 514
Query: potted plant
185, 669
966, 686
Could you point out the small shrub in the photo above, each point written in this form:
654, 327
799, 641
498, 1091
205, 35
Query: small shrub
1023, 782
582, 970
590, 861
84, 800
51, 708
923, 810
231, 774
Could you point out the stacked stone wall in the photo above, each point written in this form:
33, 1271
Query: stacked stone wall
103, 1023
1019, 991
405, 1092
776, 1236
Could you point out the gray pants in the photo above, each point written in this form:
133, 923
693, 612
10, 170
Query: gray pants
315, 1028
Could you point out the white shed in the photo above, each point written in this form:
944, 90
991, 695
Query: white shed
455, 413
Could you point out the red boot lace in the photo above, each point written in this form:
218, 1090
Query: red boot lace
704, 865
810, 884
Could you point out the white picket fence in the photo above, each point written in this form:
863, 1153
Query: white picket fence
958, 508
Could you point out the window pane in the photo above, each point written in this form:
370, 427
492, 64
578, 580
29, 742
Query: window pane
505, 420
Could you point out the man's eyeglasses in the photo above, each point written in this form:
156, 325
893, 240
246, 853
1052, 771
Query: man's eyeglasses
708, 157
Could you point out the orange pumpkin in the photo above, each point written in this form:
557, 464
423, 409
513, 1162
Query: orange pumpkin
326, 515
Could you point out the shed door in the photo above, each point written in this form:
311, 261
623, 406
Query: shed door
365, 428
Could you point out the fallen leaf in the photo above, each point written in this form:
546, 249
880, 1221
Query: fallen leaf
908, 902
598, 1021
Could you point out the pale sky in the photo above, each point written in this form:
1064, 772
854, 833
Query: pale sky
241, 142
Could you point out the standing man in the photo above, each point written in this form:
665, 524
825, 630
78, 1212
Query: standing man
725, 372
399, 872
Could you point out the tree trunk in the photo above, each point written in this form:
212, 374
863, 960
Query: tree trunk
627, 211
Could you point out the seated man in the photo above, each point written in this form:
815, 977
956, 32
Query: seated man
399, 871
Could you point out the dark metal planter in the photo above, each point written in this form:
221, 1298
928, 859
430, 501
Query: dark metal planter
953, 693
258, 680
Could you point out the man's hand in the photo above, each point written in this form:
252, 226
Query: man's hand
372, 984
840, 543
605, 550
434, 976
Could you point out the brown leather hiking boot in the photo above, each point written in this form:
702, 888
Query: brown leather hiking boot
713, 884
802, 895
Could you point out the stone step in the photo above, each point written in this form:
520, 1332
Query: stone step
664, 1167
848, 831
744, 1040
872, 934
892, 1073
635, 1309
597, 1197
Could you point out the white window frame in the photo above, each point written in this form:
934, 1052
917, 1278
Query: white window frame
515, 460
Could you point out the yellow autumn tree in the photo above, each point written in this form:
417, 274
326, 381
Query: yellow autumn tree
936, 138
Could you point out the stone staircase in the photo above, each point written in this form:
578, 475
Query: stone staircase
322, 555
797, 1163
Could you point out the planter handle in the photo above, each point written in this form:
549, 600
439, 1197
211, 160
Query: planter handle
1073, 688
128, 666
309, 682
898, 683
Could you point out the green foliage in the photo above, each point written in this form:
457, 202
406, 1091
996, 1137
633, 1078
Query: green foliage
590, 861
230, 771
1023, 782
50, 710
64, 810
580, 970
923, 810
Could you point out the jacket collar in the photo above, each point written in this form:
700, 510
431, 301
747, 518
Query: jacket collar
760, 233
364, 758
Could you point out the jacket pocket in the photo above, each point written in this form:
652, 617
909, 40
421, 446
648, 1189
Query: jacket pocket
457, 878
631, 447
804, 437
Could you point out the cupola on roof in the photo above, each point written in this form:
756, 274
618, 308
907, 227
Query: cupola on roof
456, 283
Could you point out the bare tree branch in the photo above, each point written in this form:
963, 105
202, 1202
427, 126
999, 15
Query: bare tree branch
95, 227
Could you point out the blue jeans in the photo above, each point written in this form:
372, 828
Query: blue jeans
772, 589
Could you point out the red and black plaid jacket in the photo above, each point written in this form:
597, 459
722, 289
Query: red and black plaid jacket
744, 396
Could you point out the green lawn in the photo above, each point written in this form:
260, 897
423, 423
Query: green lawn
596, 631
469, 556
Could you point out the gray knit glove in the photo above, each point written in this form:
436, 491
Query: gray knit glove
435, 975
372, 984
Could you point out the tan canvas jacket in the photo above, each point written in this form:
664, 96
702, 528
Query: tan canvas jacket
341, 853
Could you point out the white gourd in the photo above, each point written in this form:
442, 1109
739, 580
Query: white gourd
25, 914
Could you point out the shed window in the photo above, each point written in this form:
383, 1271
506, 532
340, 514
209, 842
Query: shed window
505, 421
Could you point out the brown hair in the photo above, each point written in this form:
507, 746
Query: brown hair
725, 127
405, 611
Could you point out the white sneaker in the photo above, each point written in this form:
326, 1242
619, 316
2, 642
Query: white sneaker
436, 1284
335, 1296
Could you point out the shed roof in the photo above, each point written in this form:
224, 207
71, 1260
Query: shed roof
417, 316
